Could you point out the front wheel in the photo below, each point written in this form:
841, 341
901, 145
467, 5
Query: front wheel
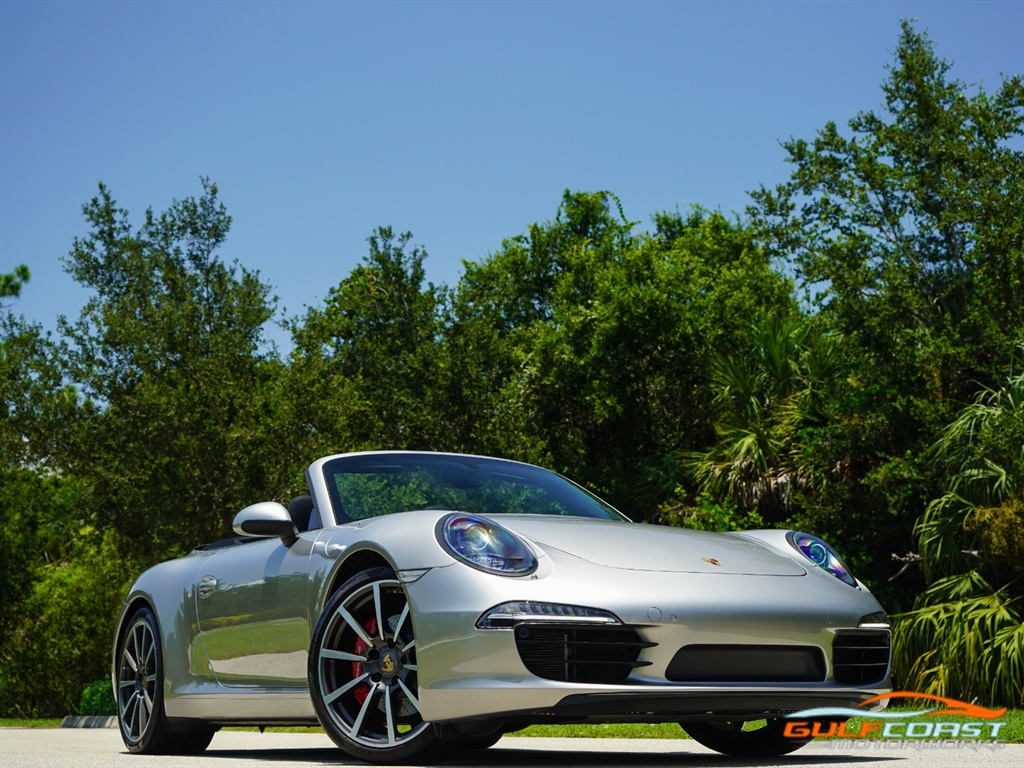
754, 738
473, 743
140, 696
362, 672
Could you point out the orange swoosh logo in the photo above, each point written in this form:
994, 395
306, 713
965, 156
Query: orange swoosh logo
953, 706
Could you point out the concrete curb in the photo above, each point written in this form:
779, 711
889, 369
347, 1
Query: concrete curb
88, 721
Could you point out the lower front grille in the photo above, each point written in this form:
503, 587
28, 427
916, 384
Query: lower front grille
747, 664
860, 656
580, 654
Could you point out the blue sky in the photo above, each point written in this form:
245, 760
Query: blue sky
460, 122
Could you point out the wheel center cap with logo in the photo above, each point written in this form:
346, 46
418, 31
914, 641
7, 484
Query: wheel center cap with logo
388, 663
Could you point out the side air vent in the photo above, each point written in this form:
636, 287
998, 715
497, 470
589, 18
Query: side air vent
860, 657
580, 654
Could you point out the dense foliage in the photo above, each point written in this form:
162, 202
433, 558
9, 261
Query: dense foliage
846, 360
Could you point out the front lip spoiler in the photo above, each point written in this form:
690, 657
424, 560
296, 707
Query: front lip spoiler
645, 707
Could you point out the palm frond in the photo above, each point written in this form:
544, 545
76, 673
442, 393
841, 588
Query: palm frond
941, 537
765, 402
954, 589
971, 649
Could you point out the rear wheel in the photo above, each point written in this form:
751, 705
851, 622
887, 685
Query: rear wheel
751, 738
362, 672
140, 695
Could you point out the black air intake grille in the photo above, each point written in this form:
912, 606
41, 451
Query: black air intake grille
747, 664
580, 654
860, 657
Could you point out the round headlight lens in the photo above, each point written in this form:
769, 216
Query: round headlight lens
822, 555
486, 545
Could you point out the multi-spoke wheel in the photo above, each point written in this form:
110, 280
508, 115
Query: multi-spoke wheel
140, 698
362, 672
752, 738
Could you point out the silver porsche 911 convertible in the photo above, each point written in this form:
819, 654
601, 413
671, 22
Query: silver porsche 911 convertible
419, 604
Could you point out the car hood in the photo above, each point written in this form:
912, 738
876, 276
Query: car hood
640, 547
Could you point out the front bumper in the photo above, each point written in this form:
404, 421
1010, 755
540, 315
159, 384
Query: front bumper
467, 673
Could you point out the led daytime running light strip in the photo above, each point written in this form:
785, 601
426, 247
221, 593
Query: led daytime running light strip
509, 615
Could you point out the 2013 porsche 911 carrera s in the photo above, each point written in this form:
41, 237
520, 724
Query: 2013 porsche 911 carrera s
418, 604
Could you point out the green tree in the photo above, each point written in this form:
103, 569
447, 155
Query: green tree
37, 406
964, 637
41, 514
162, 438
170, 356
58, 639
910, 232
907, 233
10, 283
605, 335
365, 370
499, 307
770, 401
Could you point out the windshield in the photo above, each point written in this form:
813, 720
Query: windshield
370, 485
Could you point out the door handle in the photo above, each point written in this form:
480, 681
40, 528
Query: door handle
207, 586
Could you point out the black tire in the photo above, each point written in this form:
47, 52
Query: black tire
140, 694
362, 673
732, 738
473, 743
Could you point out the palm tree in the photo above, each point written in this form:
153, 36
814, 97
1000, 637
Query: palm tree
765, 400
964, 637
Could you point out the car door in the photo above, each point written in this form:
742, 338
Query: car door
252, 605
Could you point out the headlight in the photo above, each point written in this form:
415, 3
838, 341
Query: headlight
822, 555
483, 544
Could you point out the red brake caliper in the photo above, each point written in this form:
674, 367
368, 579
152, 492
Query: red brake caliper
362, 691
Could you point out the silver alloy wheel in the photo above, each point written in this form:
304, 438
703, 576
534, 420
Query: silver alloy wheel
366, 665
137, 680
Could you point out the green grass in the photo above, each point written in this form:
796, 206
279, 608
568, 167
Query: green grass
1014, 730
1012, 733
42, 722
606, 731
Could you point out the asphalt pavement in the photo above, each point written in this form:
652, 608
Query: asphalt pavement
102, 748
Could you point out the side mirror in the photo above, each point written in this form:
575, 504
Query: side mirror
267, 518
